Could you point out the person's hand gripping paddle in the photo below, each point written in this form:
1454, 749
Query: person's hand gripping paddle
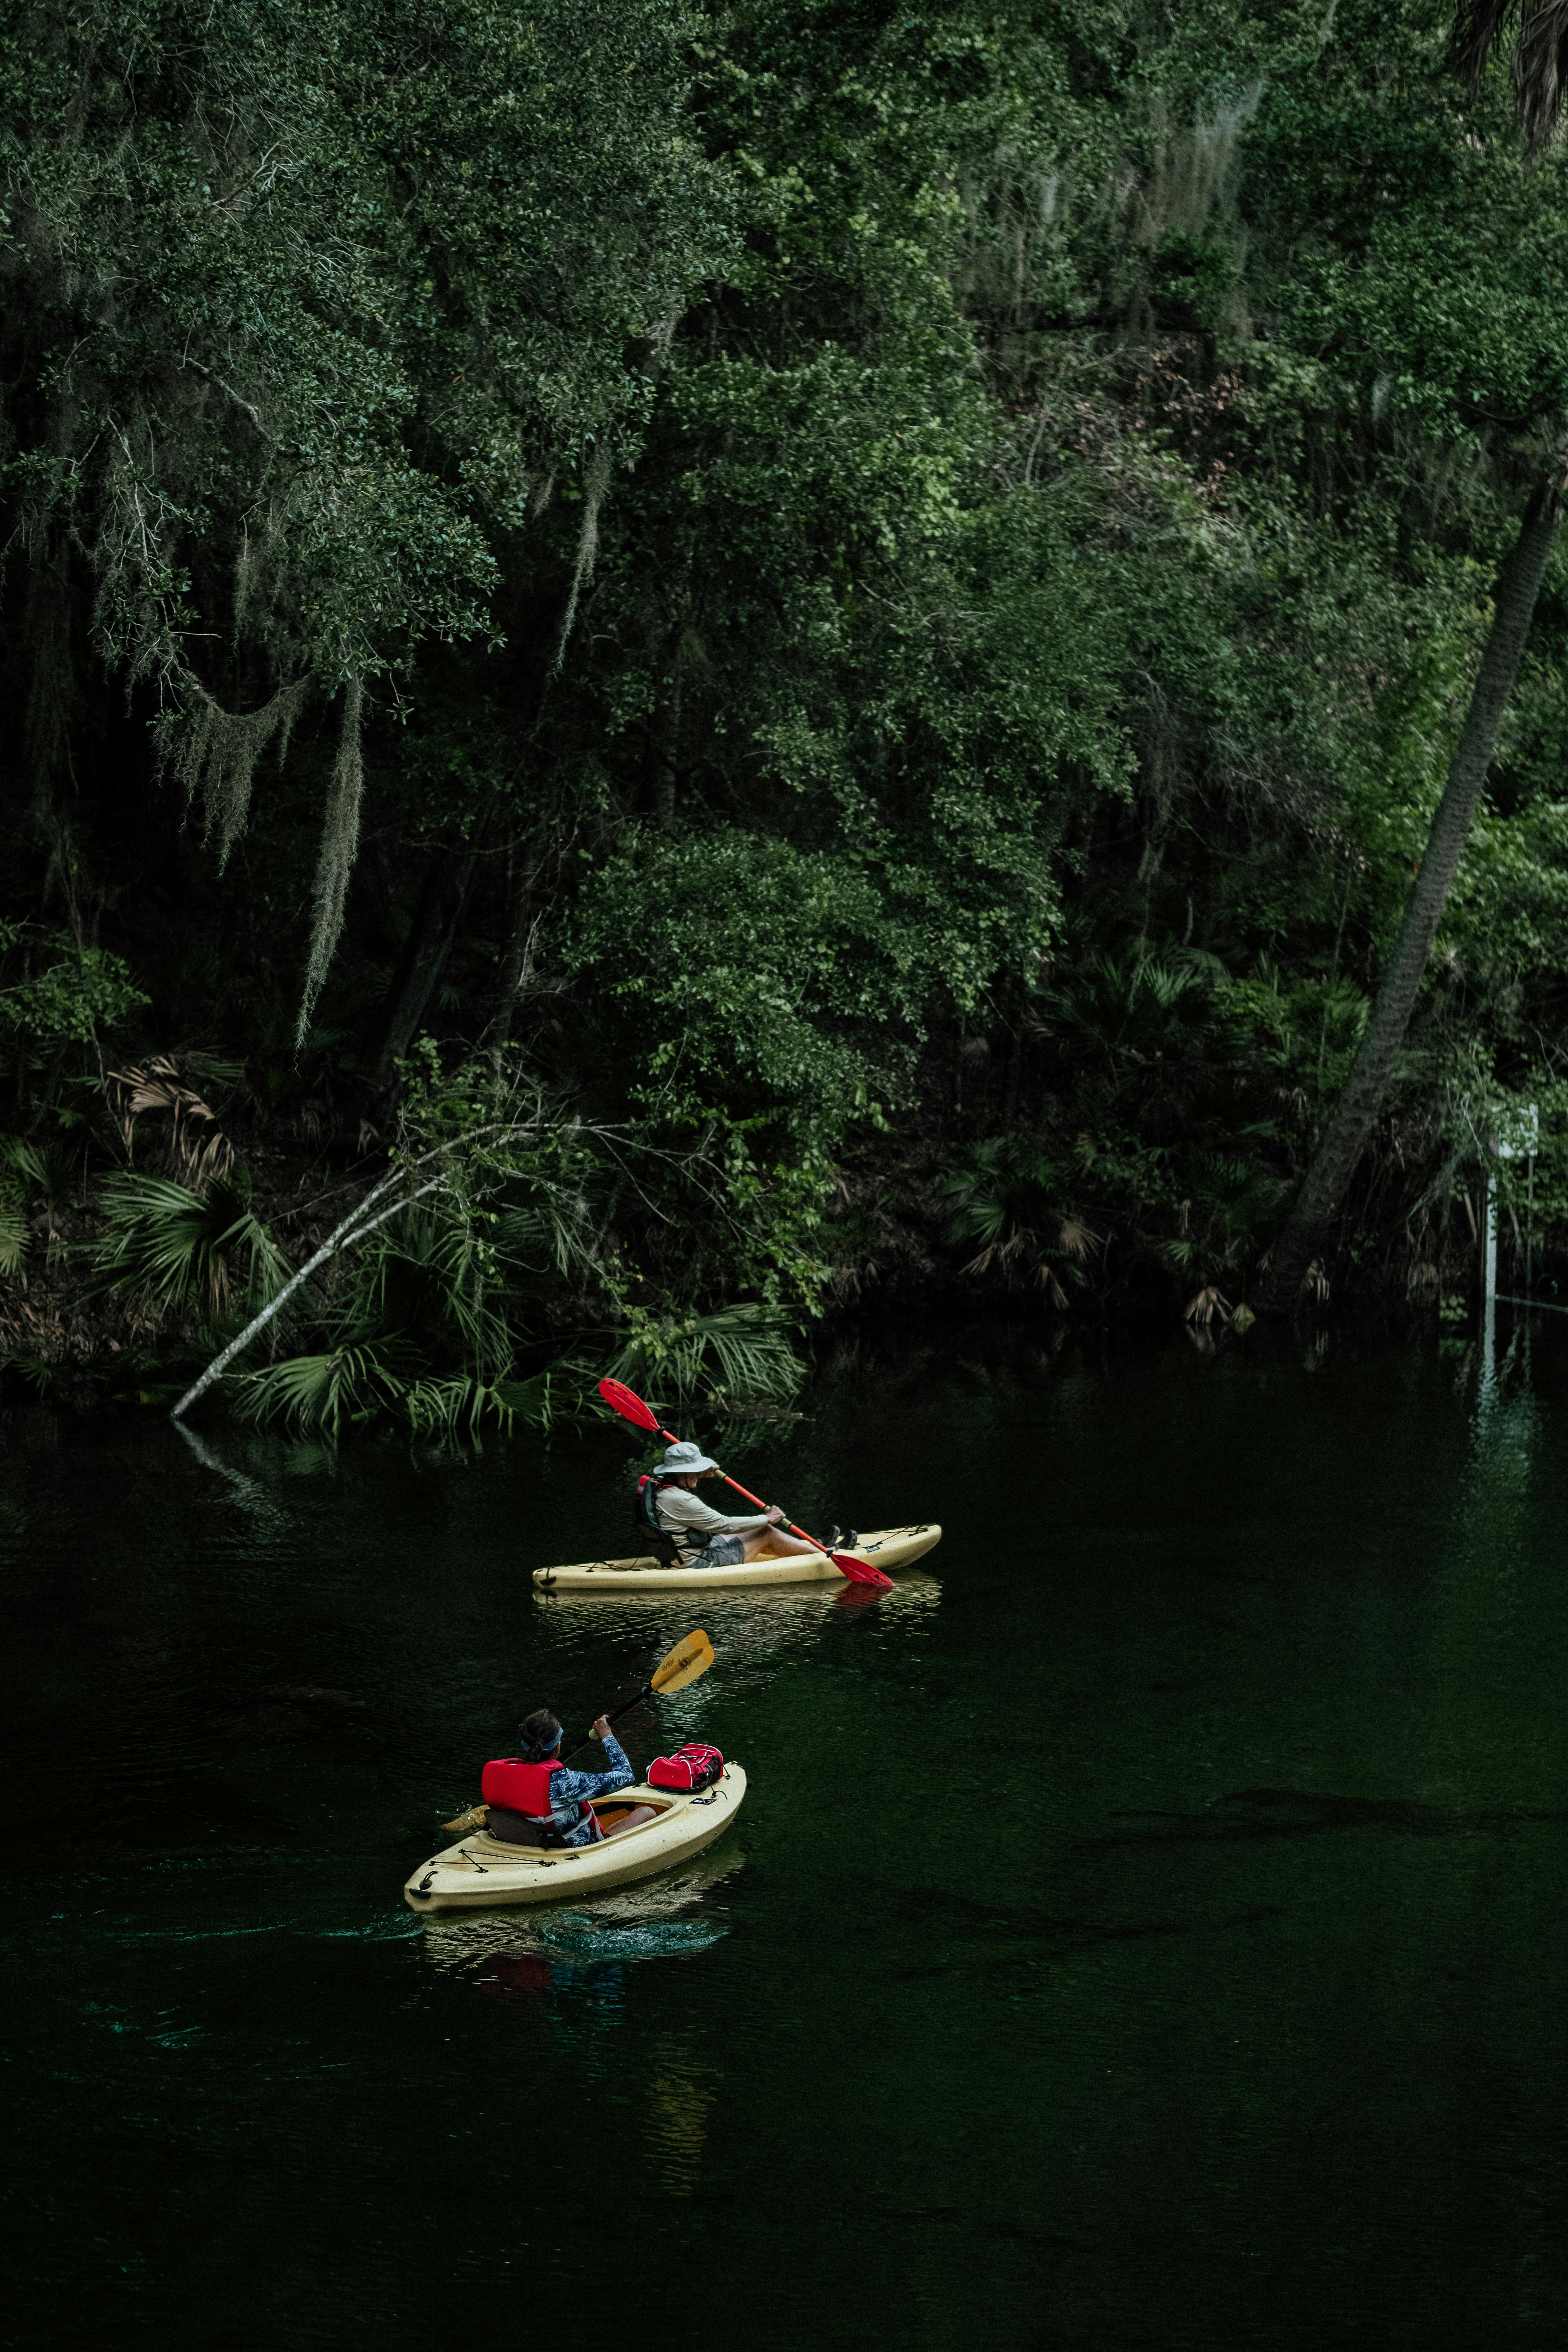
620, 1399
690, 1657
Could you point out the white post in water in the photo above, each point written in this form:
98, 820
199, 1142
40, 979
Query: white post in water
1531, 1146
1489, 1294
1533, 1139
1527, 1143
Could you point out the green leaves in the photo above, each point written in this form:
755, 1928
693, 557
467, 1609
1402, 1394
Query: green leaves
56, 995
1406, 237
738, 1355
321, 1393
15, 1231
185, 1253
309, 305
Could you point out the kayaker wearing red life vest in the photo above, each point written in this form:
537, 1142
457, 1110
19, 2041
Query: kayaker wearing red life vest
535, 1799
705, 1538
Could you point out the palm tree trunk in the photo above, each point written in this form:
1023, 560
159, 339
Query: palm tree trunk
1328, 1178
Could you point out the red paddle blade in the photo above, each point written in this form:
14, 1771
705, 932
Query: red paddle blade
620, 1398
860, 1571
856, 1596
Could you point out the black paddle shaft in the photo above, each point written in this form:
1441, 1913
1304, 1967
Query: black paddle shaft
646, 1691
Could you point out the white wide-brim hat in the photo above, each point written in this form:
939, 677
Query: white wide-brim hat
684, 1461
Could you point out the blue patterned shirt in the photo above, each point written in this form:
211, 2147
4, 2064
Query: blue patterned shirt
568, 1789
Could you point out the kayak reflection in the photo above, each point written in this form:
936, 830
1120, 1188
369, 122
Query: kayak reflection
659, 1919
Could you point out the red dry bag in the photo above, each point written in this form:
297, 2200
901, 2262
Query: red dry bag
691, 1766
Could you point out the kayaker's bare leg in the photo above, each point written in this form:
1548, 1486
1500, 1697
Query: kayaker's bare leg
770, 1543
633, 1819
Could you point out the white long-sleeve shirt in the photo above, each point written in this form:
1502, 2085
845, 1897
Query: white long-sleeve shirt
690, 1521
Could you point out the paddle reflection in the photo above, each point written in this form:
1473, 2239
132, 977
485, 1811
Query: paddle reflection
679, 2101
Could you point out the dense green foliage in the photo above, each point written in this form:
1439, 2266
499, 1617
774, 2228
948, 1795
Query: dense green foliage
872, 605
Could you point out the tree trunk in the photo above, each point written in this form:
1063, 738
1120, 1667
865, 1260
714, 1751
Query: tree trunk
442, 900
517, 962
667, 757
1324, 1186
666, 745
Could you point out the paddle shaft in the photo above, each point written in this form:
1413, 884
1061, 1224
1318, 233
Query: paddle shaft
647, 1691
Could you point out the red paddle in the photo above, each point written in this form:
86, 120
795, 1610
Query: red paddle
631, 1408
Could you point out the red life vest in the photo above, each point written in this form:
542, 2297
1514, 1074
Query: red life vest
520, 1788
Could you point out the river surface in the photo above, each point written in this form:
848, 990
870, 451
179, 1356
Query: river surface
1145, 1928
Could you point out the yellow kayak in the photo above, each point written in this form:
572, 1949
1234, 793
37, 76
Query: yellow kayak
885, 1548
480, 1871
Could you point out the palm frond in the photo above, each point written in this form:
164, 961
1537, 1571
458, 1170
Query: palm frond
552, 1233
1540, 70
1009, 1193
321, 1393
198, 1147
532, 1402
1206, 1304
46, 1168
737, 1355
429, 1278
186, 1250
462, 1403
13, 1235
1535, 33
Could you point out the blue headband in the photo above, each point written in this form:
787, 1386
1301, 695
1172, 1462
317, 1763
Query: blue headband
560, 1736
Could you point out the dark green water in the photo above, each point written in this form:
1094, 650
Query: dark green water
1146, 1929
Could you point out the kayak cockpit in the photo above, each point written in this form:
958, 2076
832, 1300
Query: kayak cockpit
609, 1812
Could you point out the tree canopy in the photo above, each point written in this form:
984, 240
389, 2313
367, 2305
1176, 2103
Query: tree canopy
874, 605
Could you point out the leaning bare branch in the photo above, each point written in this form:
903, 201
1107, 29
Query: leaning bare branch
351, 1230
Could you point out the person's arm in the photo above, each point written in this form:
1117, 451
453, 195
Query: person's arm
572, 1788
688, 1510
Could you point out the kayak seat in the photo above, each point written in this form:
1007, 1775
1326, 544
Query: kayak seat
516, 1829
657, 1543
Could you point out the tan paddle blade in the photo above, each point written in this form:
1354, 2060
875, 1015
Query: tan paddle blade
689, 1658
474, 1819
685, 1663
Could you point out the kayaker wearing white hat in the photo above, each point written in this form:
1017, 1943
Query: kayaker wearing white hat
703, 1537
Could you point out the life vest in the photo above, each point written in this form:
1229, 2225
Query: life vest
514, 1787
646, 1521
645, 1510
520, 1788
